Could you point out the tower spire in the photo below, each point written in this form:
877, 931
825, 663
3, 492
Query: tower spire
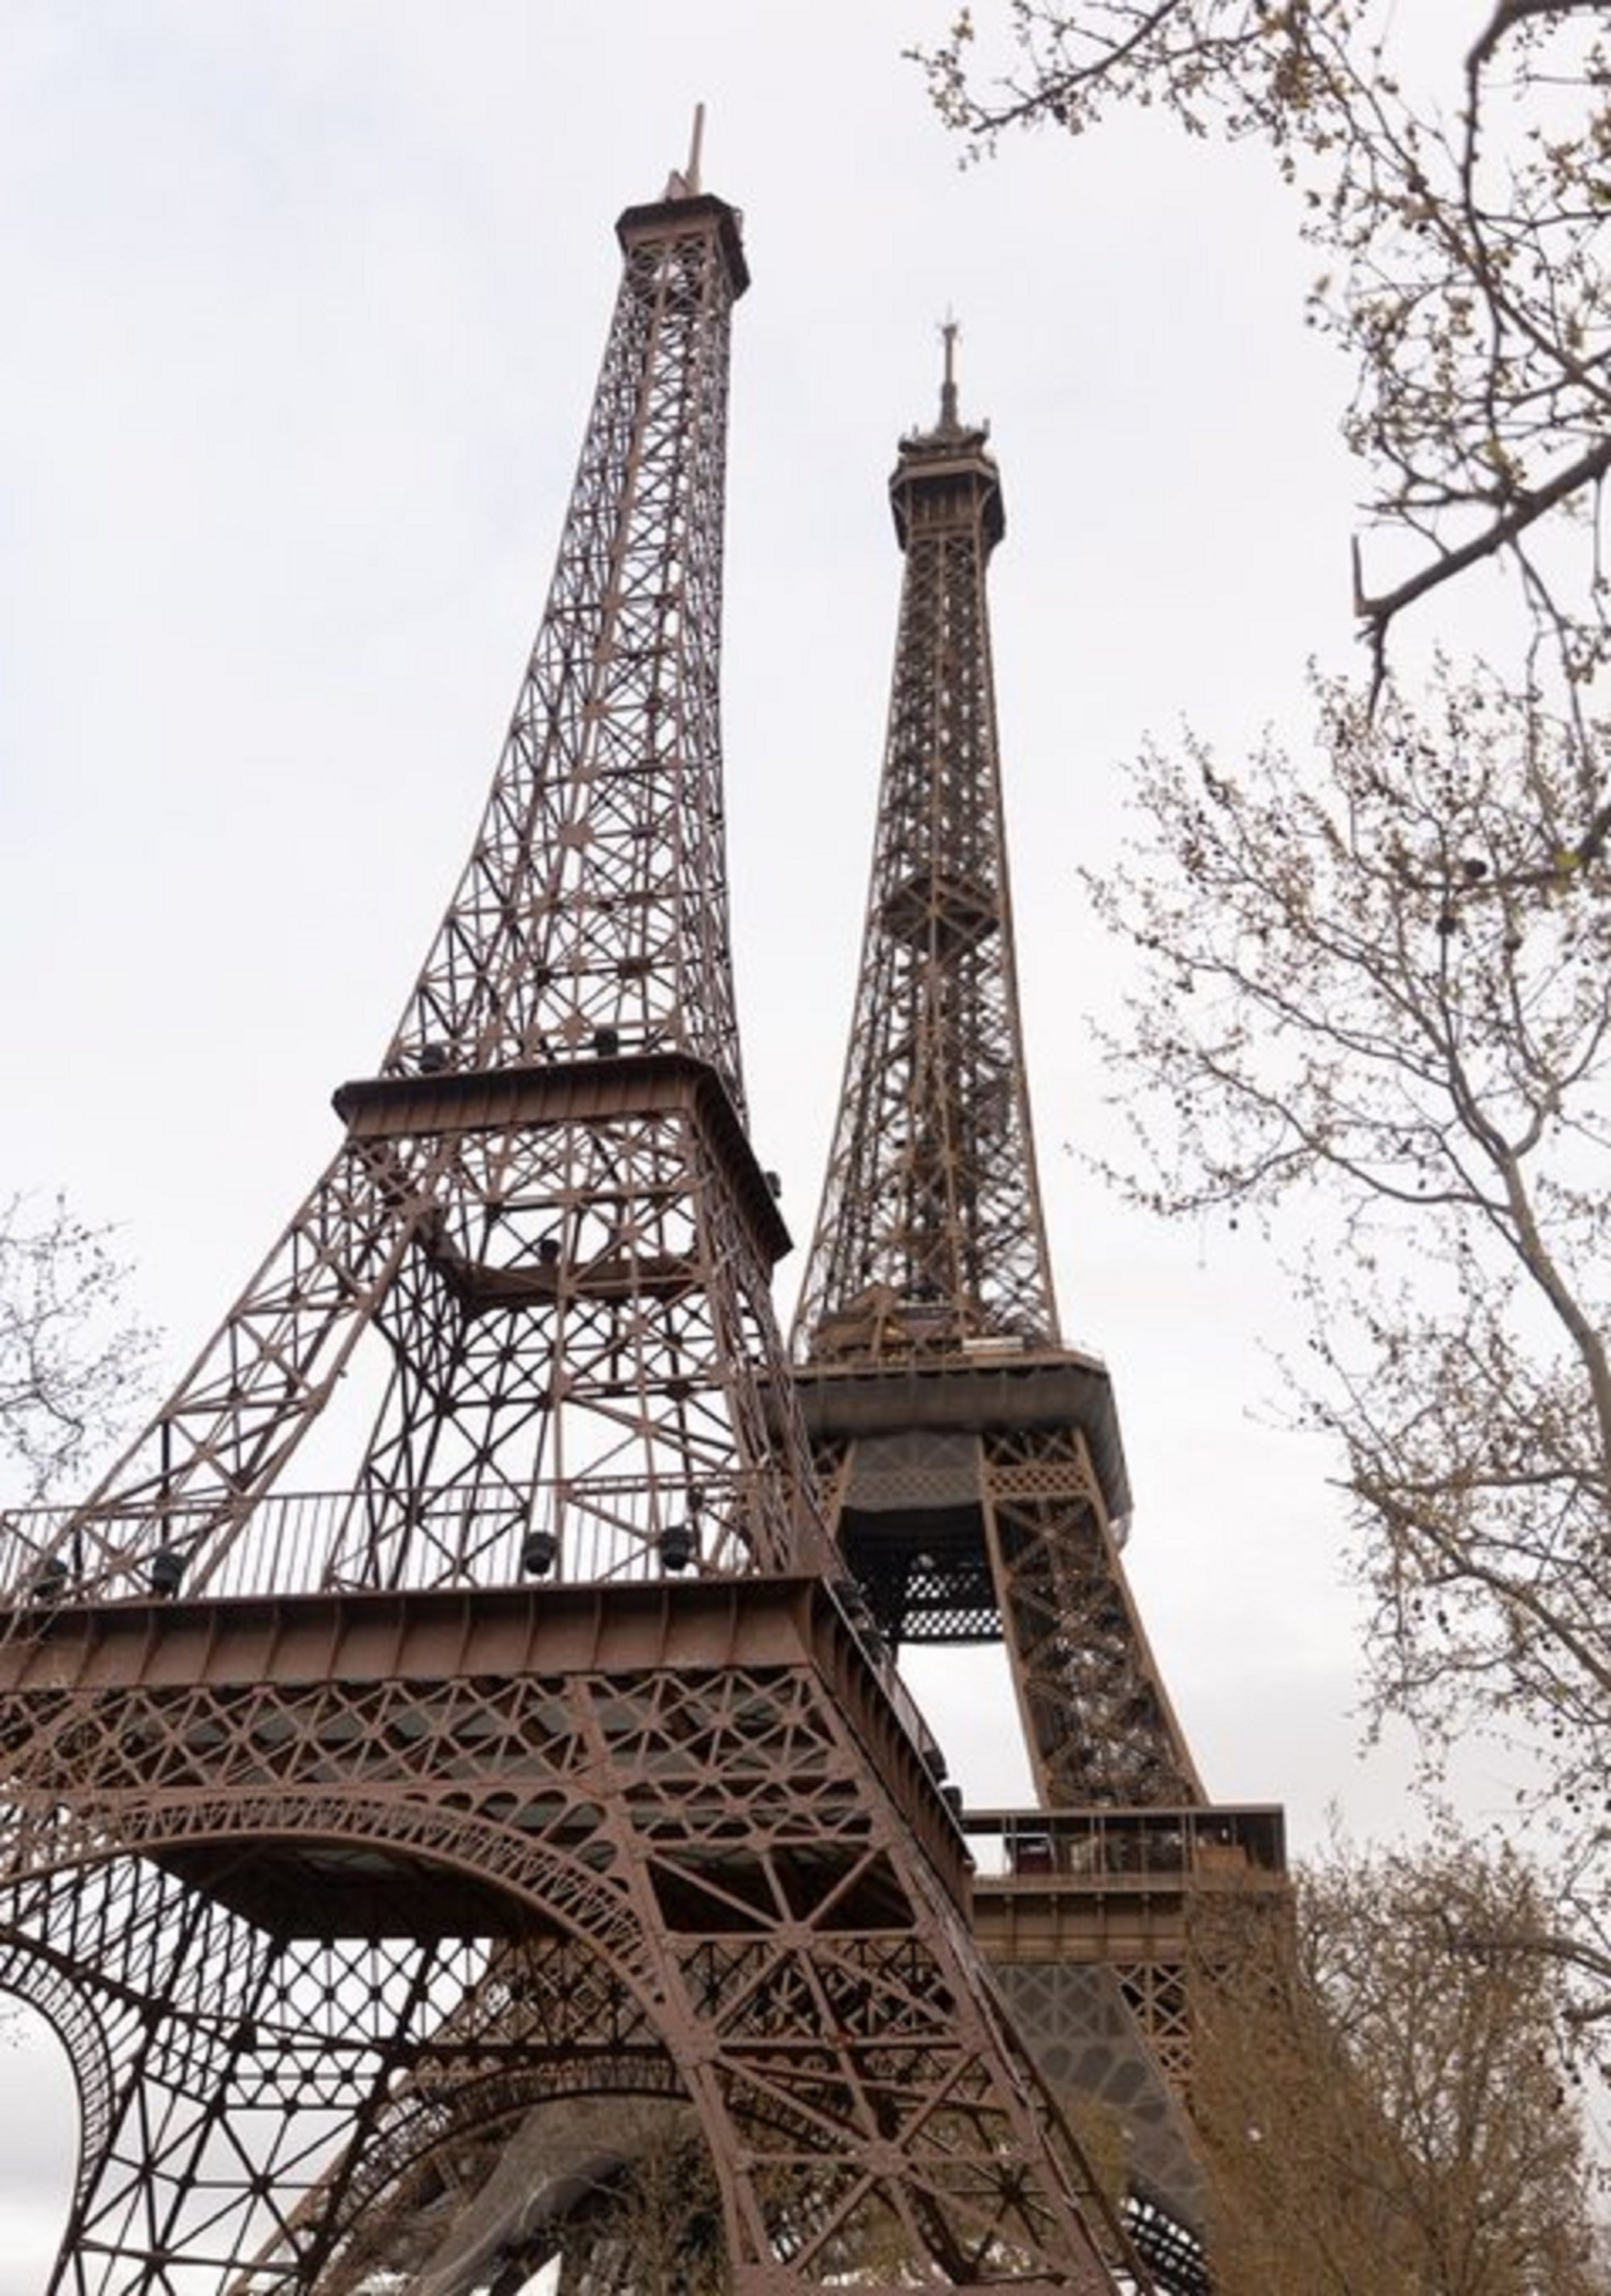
930, 1234
685, 185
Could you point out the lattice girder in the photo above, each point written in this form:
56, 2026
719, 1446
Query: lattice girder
250, 1395
575, 1300
710, 1830
595, 895
578, 1355
930, 1231
1098, 1721
212, 2058
973, 1506
545, 2025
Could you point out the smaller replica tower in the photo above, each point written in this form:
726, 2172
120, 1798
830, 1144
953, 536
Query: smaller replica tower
971, 1463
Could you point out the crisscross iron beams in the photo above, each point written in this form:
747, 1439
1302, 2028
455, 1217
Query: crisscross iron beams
545, 2022
220, 2065
930, 1231
340, 1844
577, 1336
1098, 1721
189, 1485
596, 893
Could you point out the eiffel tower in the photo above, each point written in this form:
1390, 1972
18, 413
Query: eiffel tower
972, 1465
354, 1837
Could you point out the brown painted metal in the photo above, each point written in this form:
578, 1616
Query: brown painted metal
1113, 1885
705, 1784
975, 1467
931, 1233
1085, 1916
342, 1837
972, 1466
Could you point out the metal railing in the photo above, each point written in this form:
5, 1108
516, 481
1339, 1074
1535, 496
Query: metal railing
1108, 1848
591, 1528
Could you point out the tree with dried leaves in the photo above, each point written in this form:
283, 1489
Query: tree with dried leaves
1454, 179
1379, 2091
71, 1361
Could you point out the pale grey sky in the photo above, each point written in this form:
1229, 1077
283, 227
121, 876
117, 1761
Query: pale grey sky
302, 309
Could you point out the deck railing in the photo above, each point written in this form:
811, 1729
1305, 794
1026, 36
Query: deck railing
1140, 1848
591, 1528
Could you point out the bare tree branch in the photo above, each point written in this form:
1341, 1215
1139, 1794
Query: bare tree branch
1377, 610
1462, 235
71, 1363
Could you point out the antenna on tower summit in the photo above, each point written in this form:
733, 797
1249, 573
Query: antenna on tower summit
685, 184
949, 330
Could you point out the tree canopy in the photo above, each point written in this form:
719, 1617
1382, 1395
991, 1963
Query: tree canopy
1377, 1001
1456, 191
1382, 2099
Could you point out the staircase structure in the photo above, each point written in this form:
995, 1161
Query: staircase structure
353, 1842
972, 1465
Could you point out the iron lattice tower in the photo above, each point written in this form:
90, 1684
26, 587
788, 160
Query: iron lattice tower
349, 1840
973, 1465
926, 1334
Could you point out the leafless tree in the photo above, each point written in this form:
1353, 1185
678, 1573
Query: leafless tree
71, 1361
654, 2229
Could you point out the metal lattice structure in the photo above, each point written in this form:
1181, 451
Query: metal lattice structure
931, 1233
975, 1467
348, 1840
971, 1464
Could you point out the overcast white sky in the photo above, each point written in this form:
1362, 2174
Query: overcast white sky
301, 303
